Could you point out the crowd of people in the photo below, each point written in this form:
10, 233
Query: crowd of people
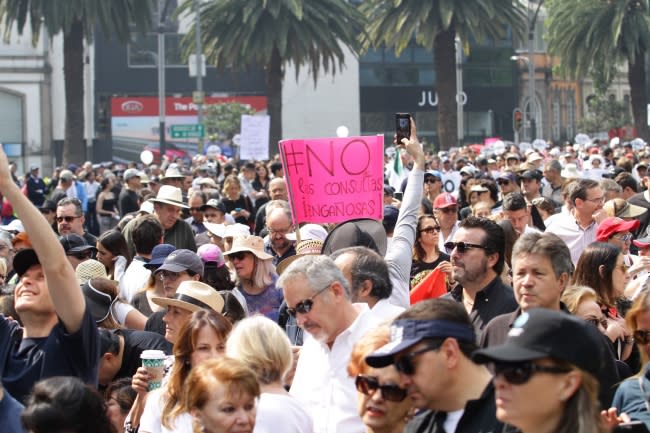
266, 324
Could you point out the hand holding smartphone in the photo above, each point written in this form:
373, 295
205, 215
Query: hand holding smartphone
402, 127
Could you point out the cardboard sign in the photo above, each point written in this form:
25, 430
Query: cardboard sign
334, 179
451, 182
254, 141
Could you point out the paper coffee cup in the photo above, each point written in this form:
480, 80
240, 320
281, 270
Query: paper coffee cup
154, 362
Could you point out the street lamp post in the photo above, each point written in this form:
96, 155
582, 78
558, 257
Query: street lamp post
161, 76
529, 104
199, 71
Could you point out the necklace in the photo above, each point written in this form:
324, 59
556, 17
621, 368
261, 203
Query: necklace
467, 302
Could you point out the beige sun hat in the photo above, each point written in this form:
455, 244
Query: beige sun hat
89, 269
619, 207
249, 243
170, 195
173, 173
193, 296
304, 248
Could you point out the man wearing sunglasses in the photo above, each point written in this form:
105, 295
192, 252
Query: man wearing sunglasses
70, 219
477, 258
431, 347
445, 209
318, 296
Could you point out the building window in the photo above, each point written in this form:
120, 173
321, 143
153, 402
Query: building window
142, 51
556, 116
571, 114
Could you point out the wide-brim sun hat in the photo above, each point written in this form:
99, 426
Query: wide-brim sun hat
193, 296
251, 244
170, 195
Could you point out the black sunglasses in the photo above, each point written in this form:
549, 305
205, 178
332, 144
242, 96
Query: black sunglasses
462, 247
521, 372
67, 219
642, 336
405, 365
431, 230
503, 182
369, 384
237, 256
305, 306
448, 210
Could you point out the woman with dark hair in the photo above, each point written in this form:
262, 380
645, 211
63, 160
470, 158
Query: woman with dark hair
261, 185
113, 253
601, 266
106, 208
119, 399
203, 337
426, 255
64, 404
546, 376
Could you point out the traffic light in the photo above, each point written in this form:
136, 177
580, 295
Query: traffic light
517, 118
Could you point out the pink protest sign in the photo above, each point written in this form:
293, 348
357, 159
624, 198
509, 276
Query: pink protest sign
334, 179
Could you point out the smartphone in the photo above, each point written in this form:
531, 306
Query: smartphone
631, 427
402, 126
237, 209
398, 196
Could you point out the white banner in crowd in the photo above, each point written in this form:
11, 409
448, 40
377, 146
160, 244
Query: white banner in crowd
451, 182
254, 137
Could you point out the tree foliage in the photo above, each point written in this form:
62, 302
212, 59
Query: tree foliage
604, 113
223, 121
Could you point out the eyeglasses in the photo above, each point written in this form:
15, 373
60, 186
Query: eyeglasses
241, 255
503, 182
624, 238
305, 306
600, 199
448, 210
602, 321
168, 275
520, 373
368, 385
278, 232
642, 336
462, 247
67, 219
431, 230
405, 365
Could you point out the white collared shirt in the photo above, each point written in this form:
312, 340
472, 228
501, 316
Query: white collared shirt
322, 382
566, 227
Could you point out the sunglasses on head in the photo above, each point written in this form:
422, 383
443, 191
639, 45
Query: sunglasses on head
431, 230
521, 372
305, 306
405, 365
369, 384
642, 336
462, 247
67, 219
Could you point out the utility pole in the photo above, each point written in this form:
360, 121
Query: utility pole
161, 77
200, 96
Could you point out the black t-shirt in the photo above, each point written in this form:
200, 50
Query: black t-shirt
155, 323
128, 202
417, 266
134, 343
26, 361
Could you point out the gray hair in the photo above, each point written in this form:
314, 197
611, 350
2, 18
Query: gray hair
548, 245
278, 204
6, 237
264, 272
610, 185
320, 271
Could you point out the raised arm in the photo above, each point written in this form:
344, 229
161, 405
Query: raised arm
66, 295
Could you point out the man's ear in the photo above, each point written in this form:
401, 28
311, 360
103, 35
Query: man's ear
366, 288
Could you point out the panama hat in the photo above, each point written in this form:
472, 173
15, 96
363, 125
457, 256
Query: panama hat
170, 195
89, 269
193, 296
249, 243
304, 248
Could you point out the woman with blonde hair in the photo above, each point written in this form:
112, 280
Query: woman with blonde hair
264, 347
382, 404
221, 396
256, 276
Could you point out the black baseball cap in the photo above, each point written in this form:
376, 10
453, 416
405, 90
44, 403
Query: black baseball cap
408, 332
25, 259
541, 333
73, 244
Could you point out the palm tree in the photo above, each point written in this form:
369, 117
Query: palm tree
269, 33
435, 25
77, 20
594, 35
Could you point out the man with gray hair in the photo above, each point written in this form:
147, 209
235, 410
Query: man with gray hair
318, 296
278, 225
552, 189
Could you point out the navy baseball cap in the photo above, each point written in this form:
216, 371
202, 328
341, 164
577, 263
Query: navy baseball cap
182, 260
158, 255
408, 332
